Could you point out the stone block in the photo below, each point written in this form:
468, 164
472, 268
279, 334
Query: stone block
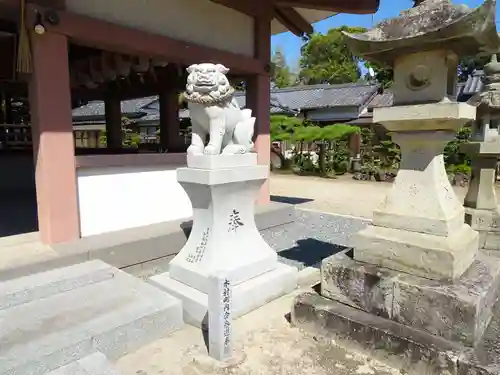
421, 254
221, 161
483, 220
418, 352
94, 364
113, 315
211, 177
458, 311
422, 117
247, 295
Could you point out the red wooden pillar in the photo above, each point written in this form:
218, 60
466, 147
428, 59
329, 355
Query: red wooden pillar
258, 93
53, 143
169, 121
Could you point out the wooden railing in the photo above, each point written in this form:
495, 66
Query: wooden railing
15, 137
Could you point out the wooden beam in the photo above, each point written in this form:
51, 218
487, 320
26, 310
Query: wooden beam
293, 21
339, 6
241, 6
115, 38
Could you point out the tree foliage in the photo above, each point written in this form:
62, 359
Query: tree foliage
281, 74
384, 75
282, 128
325, 58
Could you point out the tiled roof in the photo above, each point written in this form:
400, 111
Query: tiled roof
382, 100
289, 100
325, 96
96, 107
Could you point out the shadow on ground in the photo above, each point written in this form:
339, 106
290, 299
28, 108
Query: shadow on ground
310, 252
290, 200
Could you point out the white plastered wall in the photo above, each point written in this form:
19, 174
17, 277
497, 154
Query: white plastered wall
198, 21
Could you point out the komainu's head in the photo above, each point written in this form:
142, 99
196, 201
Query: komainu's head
207, 81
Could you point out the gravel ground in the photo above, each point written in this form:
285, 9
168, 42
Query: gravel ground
342, 196
312, 237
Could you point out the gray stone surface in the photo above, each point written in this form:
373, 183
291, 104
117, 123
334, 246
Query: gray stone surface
421, 353
487, 223
312, 237
94, 364
52, 327
303, 241
247, 296
457, 311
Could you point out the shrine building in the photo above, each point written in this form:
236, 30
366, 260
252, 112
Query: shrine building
58, 55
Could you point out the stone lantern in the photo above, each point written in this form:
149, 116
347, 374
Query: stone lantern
481, 206
419, 228
415, 281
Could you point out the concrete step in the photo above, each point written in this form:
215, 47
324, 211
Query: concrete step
51, 319
94, 364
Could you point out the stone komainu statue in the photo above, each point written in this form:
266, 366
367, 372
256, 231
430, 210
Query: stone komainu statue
215, 112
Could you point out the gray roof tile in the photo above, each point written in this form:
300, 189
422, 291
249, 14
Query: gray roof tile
96, 107
288, 100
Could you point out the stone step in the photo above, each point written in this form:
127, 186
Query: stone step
94, 364
102, 310
45, 284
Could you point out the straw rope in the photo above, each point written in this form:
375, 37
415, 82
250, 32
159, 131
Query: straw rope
24, 63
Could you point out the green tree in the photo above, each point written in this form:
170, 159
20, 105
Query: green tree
325, 58
384, 75
281, 74
283, 127
327, 138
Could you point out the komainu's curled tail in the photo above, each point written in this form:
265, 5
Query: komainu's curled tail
243, 132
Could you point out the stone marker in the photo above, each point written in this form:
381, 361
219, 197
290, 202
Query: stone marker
223, 179
416, 283
481, 206
219, 318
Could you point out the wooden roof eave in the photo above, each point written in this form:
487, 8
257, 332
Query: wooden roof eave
284, 10
287, 16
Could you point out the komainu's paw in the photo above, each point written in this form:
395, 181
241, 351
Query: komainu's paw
234, 150
194, 150
211, 150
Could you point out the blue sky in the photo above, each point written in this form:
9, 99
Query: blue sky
290, 44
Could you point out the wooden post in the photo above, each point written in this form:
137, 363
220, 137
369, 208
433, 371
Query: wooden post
258, 93
169, 121
113, 116
53, 143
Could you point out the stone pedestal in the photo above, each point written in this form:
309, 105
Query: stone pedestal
224, 238
458, 311
481, 207
419, 227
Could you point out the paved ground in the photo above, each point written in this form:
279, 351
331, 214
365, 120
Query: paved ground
343, 196
270, 344
271, 347
312, 237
